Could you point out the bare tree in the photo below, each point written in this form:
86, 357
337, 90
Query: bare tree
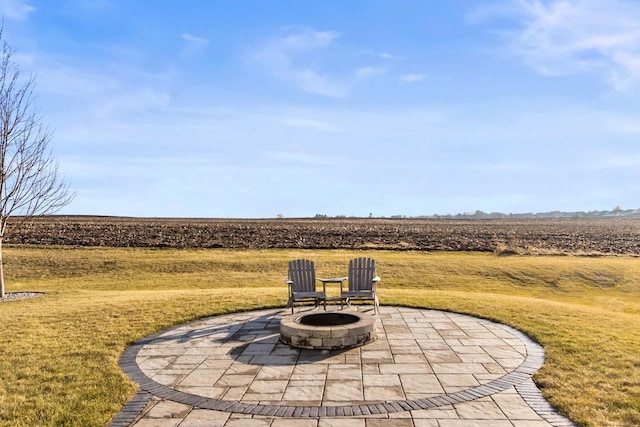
29, 181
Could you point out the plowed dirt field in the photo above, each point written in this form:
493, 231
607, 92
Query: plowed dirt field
611, 236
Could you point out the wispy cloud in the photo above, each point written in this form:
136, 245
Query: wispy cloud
621, 124
120, 90
280, 58
366, 72
302, 159
382, 55
559, 37
18, 10
307, 59
193, 44
412, 78
311, 124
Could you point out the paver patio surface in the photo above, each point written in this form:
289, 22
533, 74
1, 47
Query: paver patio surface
427, 368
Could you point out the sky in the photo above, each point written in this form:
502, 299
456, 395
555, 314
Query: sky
259, 109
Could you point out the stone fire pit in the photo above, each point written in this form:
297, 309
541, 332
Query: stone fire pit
327, 330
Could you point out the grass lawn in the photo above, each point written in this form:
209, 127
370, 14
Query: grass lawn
59, 352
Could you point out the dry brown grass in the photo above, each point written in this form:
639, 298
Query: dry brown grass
58, 363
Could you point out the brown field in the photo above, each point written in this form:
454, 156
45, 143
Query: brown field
611, 236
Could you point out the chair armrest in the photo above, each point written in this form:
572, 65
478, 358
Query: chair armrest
289, 286
375, 281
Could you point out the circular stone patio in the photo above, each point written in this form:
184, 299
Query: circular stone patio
427, 368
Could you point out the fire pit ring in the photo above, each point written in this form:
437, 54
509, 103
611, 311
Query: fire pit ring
327, 331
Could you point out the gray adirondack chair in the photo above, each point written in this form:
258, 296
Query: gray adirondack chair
362, 281
302, 283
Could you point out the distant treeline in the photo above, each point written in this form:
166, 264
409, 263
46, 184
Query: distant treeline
615, 213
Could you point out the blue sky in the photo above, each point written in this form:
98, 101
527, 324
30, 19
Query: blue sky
262, 108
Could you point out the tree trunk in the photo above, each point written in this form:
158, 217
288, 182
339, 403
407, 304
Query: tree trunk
1, 272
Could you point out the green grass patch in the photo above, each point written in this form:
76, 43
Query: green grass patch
59, 353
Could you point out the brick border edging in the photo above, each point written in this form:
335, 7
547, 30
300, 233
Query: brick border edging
533, 397
516, 378
131, 410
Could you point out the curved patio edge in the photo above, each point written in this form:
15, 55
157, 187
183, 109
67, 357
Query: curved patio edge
519, 377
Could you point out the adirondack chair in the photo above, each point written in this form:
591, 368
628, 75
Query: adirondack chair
362, 281
302, 283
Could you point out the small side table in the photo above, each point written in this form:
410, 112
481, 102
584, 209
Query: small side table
340, 298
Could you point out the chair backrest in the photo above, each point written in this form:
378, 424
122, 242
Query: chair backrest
302, 273
361, 274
